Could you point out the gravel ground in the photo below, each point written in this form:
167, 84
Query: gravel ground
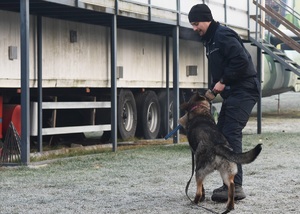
280, 113
152, 179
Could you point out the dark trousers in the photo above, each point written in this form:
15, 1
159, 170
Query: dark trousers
233, 117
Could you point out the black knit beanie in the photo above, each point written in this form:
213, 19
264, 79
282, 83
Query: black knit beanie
200, 13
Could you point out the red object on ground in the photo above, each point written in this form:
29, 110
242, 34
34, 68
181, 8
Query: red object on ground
12, 113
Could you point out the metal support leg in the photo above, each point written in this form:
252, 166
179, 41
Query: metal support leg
176, 79
25, 93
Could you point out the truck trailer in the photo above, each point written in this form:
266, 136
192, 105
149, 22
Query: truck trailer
78, 50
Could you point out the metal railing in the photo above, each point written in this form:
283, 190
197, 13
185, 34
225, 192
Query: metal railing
69, 129
266, 24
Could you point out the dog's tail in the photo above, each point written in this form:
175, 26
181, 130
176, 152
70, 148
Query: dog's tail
241, 158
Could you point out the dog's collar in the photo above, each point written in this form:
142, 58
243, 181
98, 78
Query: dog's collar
198, 106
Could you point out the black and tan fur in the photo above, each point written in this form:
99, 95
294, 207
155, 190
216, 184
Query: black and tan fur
211, 149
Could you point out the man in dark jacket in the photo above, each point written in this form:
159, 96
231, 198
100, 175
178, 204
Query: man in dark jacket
234, 77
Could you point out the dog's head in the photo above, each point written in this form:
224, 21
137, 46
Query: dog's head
198, 104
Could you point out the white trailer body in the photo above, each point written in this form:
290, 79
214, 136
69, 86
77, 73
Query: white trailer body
86, 63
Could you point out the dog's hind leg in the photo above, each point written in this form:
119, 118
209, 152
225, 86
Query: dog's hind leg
229, 181
227, 171
200, 194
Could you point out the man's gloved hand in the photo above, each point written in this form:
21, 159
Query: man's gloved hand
209, 94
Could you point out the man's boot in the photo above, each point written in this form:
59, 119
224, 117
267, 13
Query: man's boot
221, 194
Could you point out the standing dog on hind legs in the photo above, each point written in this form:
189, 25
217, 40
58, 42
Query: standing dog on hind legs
210, 148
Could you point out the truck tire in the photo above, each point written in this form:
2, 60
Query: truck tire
126, 115
166, 124
148, 115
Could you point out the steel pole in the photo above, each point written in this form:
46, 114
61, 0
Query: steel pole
25, 93
40, 85
113, 78
176, 80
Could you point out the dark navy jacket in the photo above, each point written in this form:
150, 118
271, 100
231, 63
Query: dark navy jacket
228, 59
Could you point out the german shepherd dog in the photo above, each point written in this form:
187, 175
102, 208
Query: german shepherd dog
210, 148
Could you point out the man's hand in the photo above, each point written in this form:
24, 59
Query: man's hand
210, 95
219, 87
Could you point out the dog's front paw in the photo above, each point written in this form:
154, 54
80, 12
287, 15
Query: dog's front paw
197, 199
228, 209
203, 194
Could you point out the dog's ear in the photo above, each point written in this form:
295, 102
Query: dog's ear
199, 97
194, 98
185, 106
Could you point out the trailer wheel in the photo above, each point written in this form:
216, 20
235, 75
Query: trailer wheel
166, 124
127, 114
148, 115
